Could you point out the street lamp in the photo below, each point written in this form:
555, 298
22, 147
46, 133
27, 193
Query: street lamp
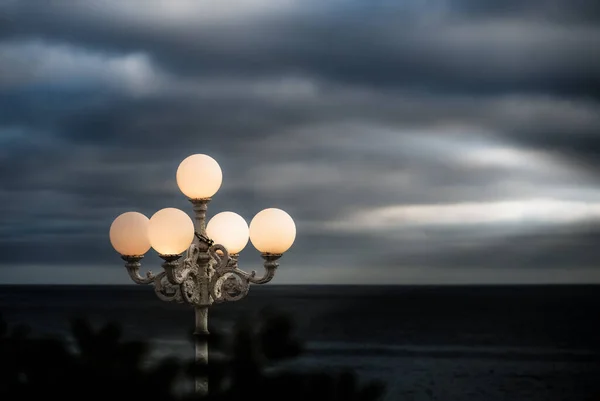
209, 272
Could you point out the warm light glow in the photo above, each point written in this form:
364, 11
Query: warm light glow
171, 231
199, 176
272, 231
129, 234
230, 230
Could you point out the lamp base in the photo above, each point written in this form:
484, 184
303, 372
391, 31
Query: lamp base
169, 257
271, 259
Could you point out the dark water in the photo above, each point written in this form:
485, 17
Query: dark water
428, 343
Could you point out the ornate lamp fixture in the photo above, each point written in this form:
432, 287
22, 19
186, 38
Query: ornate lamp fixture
209, 272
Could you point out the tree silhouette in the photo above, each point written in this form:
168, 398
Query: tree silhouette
100, 365
247, 364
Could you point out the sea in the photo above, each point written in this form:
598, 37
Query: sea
448, 343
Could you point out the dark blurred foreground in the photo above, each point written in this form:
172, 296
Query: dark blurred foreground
247, 364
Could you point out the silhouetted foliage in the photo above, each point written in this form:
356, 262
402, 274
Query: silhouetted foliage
248, 364
99, 365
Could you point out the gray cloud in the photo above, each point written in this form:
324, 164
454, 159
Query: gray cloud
433, 47
567, 12
327, 113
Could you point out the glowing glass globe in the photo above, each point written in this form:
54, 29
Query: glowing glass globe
171, 231
129, 234
230, 230
272, 231
199, 176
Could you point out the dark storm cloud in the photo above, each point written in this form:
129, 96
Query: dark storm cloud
576, 11
328, 112
412, 47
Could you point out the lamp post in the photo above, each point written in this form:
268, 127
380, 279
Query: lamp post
209, 272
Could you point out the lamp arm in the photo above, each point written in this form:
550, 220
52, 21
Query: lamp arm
251, 277
133, 265
270, 265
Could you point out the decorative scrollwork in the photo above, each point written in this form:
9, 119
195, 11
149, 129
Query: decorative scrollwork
177, 272
228, 287
206, 275
226, 282
165, 291
221, 260
190, 291
190, 260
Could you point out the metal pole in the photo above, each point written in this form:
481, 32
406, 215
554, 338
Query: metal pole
201, 327
200, 335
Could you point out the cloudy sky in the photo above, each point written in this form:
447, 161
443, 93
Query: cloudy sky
413, 141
